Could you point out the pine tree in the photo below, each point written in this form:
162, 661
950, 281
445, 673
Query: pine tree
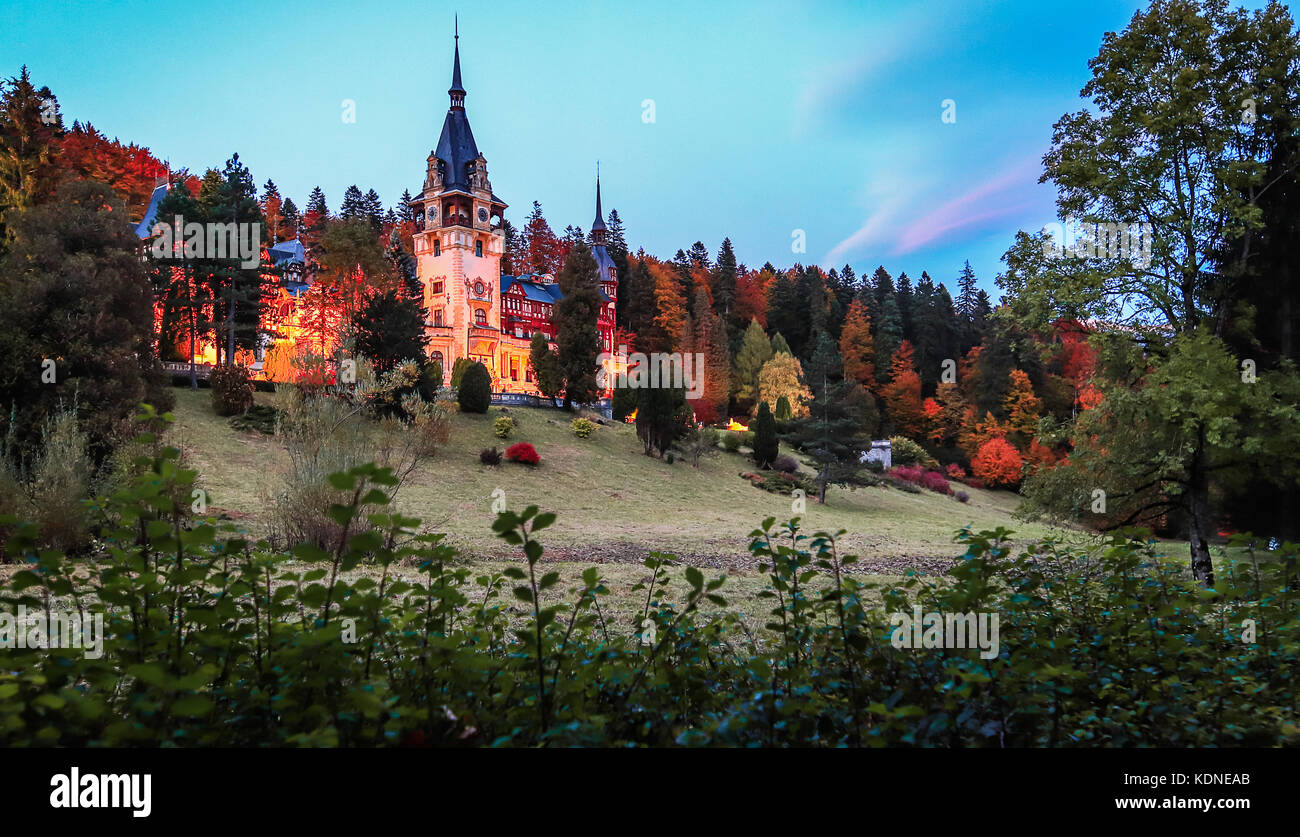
405, 212
271, 208
354, 204
699, 256
289, 219
374, 210
637, 294
577, 339
316, 203
780, 346
390, 329
724, 282
544, 248
888, 337
836, 433
29, 151
904, 297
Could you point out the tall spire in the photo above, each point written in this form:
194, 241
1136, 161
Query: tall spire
457, 92
599, 223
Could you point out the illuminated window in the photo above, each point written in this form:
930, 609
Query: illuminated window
478, 249
480, 316
435, 288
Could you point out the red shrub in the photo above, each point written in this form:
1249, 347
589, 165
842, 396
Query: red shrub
956, 472
522, 452
998, 463
935, 481
911, 473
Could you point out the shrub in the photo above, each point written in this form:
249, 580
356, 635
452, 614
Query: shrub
955, 471
998, 463
523, 453
475, 391
903, 451
260, 418
783, 411
962, 496
786, 463
489, 456
458, 370
508, 669
582, 427
936, 482
232, 390
731, 441
503, 427
430, 380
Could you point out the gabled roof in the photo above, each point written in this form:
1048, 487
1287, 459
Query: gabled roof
144, 229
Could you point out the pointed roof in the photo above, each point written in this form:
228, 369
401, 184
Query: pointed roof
456, 86
599, 223
456, 146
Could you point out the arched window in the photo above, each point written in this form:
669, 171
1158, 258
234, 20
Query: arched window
480, 316
436, 357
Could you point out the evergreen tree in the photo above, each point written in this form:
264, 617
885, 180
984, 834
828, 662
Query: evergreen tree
577, 338
637, 296
475, 391
316, 203
662, 414
354, 204
405, 212
780, 346
904, 297
374, 210
546, 366
390, 329
290, 219
699, 256
888, 337
544, 248
29, 150
712, 361
766, 445
271, 209
836, 434
724, 282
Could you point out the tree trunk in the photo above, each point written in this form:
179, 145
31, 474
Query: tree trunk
1198, 496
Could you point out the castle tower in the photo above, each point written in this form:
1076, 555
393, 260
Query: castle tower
608, 274
459, 241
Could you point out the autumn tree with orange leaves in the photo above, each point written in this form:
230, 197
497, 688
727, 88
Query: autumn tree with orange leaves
856, 346
903, 394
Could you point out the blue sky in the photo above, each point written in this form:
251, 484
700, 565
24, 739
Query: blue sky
769, 117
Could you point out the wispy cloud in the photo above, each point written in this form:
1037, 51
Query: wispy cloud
996, 198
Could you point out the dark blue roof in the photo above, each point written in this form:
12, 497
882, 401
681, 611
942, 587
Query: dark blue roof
456, 149
144, 229
288, 252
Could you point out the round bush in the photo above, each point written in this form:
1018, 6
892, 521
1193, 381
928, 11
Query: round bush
523, 453
232, 390
503, 427
582, 427
475, 393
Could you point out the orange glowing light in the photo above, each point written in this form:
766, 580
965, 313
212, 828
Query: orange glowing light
631, 418
732, 424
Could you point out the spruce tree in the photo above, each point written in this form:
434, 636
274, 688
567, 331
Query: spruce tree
546, 366
724, 281
354, 203
390, 329
577, 338
766, 445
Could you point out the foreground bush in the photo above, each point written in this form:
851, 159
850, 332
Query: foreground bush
523, 453
213, 640
475, 391
232, 390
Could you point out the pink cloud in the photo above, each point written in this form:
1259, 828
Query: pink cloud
985, 202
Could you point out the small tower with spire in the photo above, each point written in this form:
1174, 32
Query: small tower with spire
606, 267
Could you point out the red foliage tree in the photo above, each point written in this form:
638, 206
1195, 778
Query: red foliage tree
997, 463
903, 394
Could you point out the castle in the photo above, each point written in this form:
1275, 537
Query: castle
474, 311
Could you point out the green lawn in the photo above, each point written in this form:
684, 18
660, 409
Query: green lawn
613, 502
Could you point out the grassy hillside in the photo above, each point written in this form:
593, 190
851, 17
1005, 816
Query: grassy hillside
614, 503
